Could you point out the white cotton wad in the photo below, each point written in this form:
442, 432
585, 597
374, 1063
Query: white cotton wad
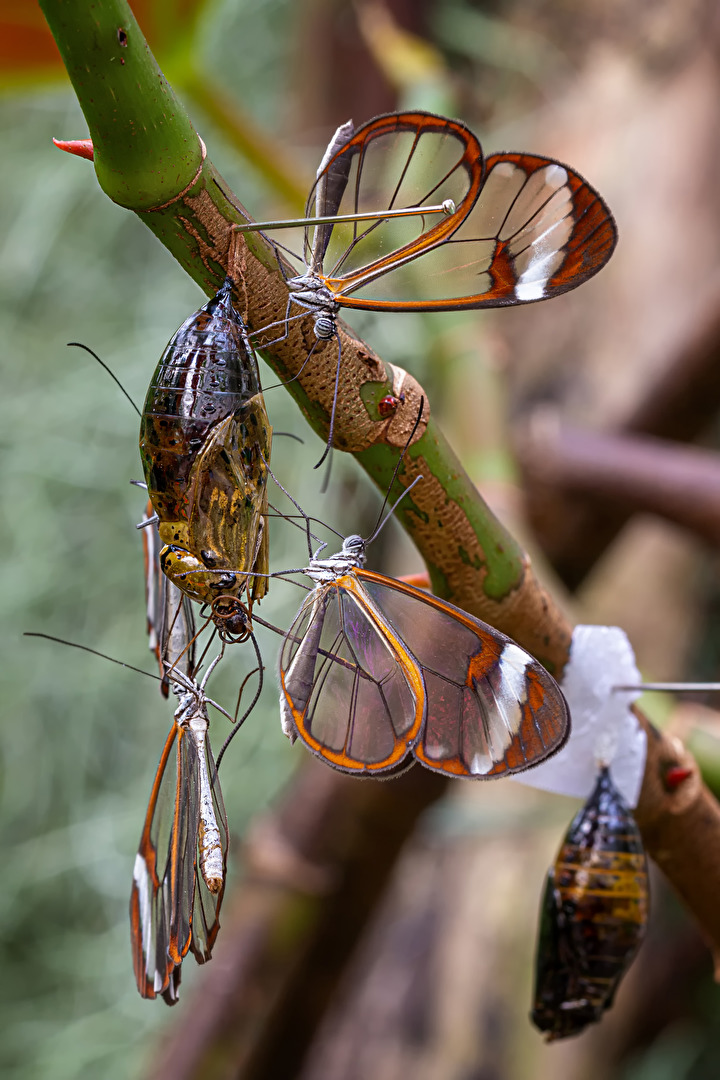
604, 730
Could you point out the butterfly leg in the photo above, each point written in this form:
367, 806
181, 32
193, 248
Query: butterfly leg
331, 430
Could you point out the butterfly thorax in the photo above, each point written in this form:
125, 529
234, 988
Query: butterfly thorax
308, 291
191, 712
350, 557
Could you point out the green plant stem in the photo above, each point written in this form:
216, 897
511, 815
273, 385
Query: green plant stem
145, 147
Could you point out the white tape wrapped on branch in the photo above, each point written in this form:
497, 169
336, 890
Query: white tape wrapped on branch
604, 730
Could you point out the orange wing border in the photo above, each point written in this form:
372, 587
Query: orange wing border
413, 675
528, 747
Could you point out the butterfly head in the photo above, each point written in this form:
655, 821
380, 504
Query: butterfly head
354, 549
350, 557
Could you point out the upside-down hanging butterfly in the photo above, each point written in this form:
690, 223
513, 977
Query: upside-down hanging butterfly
179, 873
373, 670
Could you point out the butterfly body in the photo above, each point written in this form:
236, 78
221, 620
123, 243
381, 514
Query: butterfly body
308, 291
212, 845
374, 671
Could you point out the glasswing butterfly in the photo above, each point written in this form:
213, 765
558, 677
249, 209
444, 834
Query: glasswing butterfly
593, 916
204, 442
508, 229
374, 670
179, 872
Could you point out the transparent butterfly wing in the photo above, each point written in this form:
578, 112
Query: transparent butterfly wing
154, 921
537, 229
170, 618
328, 192
172, 909
178, 879
394, 162
492, 710
206, 909
352, 697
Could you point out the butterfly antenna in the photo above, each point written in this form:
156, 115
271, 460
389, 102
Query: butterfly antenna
392, 510
296, 504
306, 517
379, 524
243, 212
331, 432
673, 687
291, 518
239, 723
86, 648
111, 373
288, 434
328, 471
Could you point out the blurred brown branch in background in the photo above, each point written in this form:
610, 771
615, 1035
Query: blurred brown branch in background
581, 489
618, 475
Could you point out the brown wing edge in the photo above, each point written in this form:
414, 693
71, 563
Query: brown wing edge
541, 686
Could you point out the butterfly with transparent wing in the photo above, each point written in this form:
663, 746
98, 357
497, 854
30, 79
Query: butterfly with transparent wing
373, 670
180, 868
179, 872
375, 673
512, 228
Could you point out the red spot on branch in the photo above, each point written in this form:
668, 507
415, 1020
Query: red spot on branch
676, 775
389, 405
